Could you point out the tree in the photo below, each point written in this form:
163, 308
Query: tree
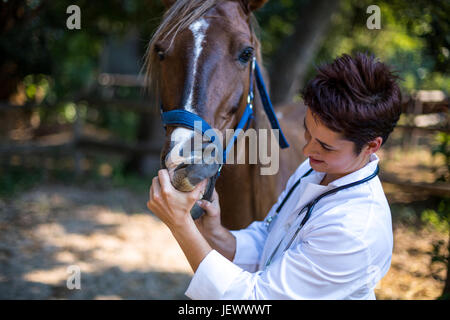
290, 62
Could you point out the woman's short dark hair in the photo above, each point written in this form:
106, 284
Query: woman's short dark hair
357, 97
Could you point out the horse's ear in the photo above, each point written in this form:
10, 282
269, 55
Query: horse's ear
168, 3
252, 5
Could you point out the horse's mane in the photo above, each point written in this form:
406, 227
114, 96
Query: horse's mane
179, 17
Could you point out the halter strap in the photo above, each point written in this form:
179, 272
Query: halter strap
267, 104
187, 119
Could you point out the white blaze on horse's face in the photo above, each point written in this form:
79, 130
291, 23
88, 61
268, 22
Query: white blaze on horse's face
198, 29
181, 151
181, 135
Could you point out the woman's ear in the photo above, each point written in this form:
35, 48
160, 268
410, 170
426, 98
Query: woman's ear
252, 5
168, 3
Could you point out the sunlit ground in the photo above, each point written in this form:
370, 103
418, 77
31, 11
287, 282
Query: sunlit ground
124, 252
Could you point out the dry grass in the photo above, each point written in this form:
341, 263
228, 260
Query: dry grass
411, 276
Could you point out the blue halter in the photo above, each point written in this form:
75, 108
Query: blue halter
187, 119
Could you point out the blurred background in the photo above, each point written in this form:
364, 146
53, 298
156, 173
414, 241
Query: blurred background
79, 141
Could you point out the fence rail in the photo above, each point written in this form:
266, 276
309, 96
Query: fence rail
437, 188
84, 143
422, 102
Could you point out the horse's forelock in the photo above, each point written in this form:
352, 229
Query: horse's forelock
177, 18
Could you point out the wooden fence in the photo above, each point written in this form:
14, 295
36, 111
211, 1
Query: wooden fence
422, 103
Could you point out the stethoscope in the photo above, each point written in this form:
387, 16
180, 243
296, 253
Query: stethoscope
308, 207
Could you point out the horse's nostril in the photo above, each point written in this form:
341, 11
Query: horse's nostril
181, 166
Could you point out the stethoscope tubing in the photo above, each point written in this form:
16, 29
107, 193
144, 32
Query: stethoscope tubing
310, 206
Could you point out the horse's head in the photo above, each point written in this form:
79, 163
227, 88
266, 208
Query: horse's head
199, 60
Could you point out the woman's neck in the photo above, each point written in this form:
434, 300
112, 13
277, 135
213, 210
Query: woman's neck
330, 177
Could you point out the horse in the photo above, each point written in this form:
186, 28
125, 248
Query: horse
199, 60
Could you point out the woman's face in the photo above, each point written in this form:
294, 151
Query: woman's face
329, 152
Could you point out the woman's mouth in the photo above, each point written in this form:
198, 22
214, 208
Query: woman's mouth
314, 161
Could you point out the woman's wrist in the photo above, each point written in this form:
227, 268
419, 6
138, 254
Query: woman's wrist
180, 223
218, 234
192, 242
223, 241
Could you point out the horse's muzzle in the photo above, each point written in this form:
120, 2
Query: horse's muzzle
187, 170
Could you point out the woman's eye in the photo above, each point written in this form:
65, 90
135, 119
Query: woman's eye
246, 55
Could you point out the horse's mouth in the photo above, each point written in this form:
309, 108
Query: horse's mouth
188, 168
185, 176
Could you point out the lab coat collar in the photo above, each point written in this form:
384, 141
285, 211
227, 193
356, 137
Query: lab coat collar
362, 173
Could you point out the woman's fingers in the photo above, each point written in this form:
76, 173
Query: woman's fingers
211, 208
154, 193
199, 190
156, 188
205, 205
164, 180
215, 197
214, 202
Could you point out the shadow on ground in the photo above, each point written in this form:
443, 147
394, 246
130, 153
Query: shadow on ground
122, 251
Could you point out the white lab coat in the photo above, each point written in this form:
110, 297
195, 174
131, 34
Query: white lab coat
343, 250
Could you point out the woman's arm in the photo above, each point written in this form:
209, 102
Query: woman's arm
193, 244
173, 208
218, 237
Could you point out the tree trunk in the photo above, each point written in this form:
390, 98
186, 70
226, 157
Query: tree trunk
296, 51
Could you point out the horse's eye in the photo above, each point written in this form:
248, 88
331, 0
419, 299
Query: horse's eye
246, 55
159, 53
233, 110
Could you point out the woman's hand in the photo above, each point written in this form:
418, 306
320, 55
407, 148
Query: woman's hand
173, 208
211, 228
170, 205
209, 223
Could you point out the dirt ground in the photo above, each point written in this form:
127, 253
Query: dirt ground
124, 252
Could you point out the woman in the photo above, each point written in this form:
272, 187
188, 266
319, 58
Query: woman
344, 245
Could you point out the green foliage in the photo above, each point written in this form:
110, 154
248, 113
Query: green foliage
124, 124
17, 179
54, 63
36, 86
443, 147
413, 39
439, 218
276, 20
131, 181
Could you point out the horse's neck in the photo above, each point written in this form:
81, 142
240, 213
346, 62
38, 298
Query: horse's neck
242, 187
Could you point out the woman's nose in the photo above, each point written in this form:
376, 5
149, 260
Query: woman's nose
310, 149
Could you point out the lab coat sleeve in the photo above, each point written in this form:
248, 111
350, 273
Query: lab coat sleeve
251, 240
249, 245
329, 263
